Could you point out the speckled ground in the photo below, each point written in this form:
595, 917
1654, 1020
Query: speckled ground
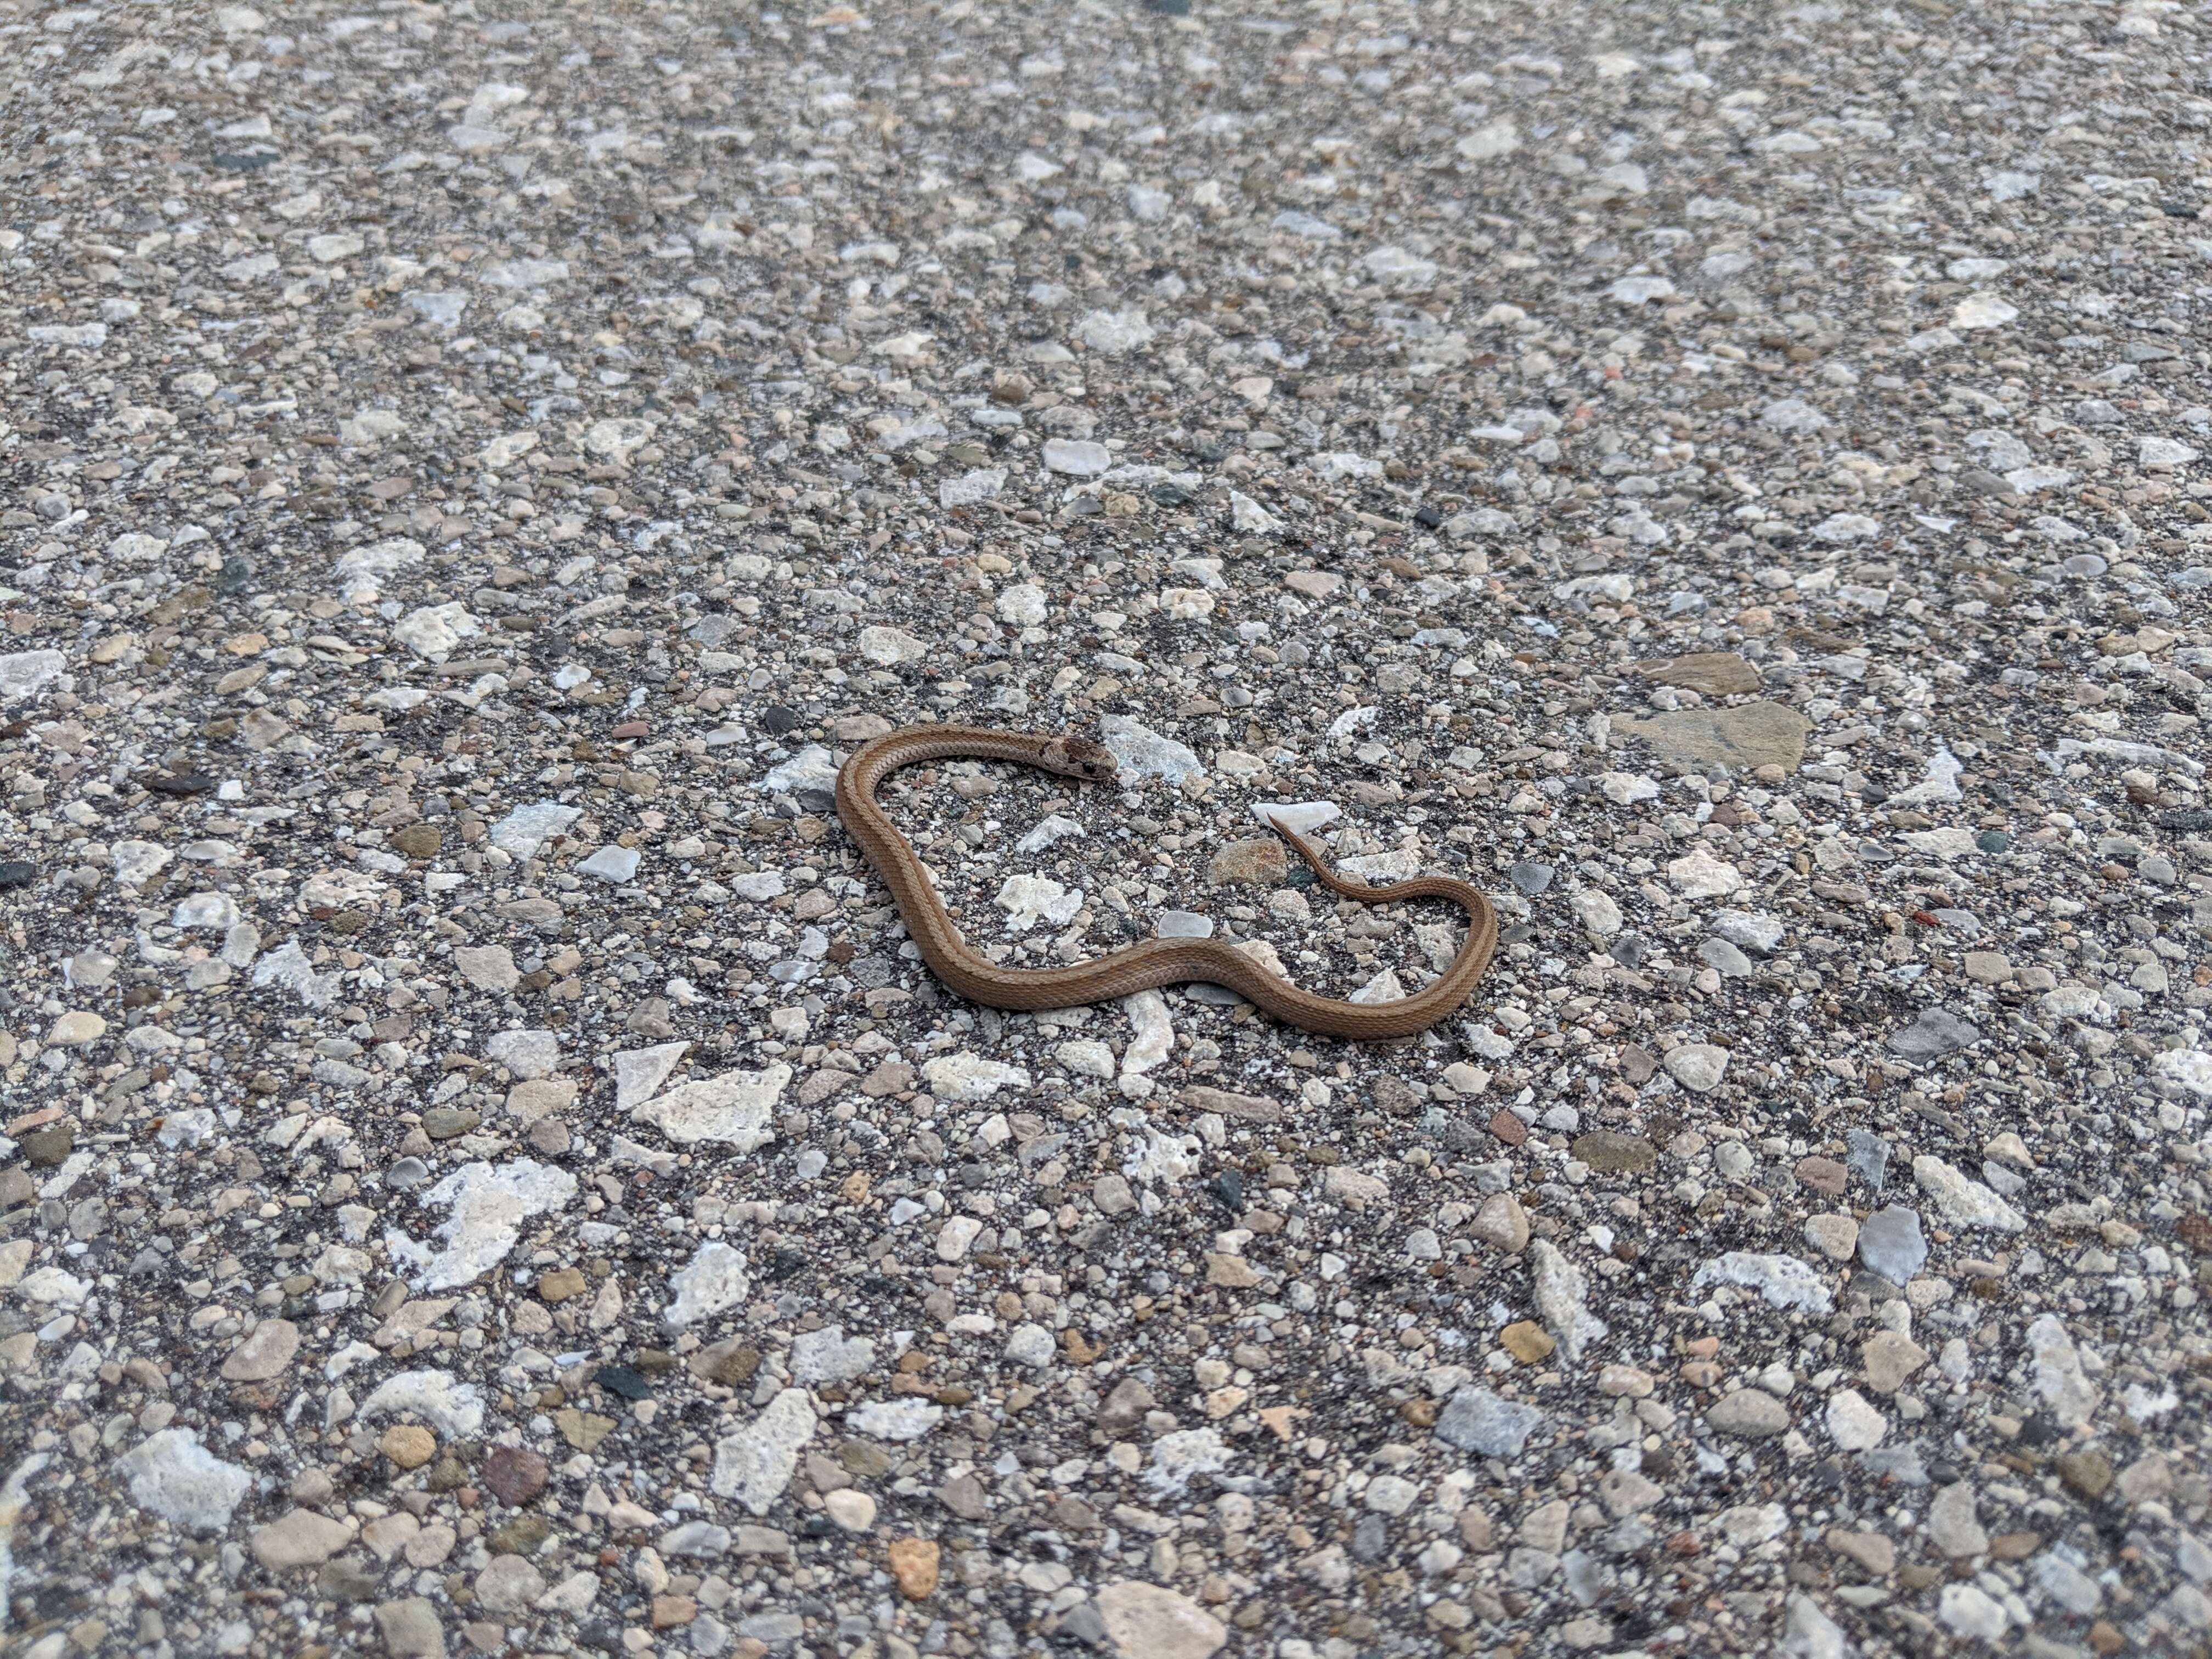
482, 1169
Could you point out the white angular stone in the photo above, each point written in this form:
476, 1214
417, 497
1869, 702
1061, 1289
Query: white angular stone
1028, 900
453, 1407
755, 1465
733, 1110
522, 832
713, 1281
1076, 458
2071, 1398
639, 1073
171, 1473
1853, 1423
1141, 752
487, 1205
1783, 1280
1700, 875
1967, 1202
1562, 1294
969, 1076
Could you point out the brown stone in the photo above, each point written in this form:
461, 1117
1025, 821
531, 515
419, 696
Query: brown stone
408, 1445
669, 1610
1615, 1154
1710, 673
524, 1536
1509, 1128
416, 841
1259, 862
1743, 737
45, 1148
514, 1474
731, 1362
1870, 1549
582, 1430
1231, 1273
1527, 1342
964, 1496
2086, 1475
913, 1563
1251, 1108
1890, 1358
560, 1284
2016, 1545
1824, 1176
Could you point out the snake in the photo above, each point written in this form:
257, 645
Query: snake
1153, 962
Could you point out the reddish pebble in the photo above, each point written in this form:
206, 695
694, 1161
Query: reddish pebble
515, 1474
1684, 1543
632, 729
1509, 1128
1824, 1176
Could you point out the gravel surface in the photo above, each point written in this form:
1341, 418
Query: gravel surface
482, 1169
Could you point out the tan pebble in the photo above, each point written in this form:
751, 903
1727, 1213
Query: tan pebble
913, 1563
409, 1446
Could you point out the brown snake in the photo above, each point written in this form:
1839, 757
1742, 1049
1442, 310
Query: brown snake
1155, 961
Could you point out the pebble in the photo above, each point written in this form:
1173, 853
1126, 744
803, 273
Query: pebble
1610, 1153
1890, 1358
171, 1473
1748, 1415
913, 1564
1835, 1237
1152, 1619
1501, 1222
266, 1353
1476, 1420
1964, 1201
1935, 1033
1853, 1423
1697, 1067
1891, 1244
1255, 863
299, 1539
408, 1445
513, 1474
76, 1029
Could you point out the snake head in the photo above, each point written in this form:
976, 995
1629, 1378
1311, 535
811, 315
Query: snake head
1079, 757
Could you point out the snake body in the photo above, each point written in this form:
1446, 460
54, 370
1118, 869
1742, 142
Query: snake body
1153, 962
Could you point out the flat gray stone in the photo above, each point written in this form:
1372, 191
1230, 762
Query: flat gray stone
1476, 1420
1891, 1244
1937, 1033
1749, 1414
522, 832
